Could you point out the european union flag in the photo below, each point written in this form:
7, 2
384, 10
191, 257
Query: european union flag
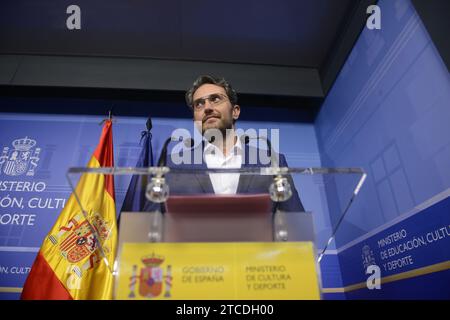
135, 197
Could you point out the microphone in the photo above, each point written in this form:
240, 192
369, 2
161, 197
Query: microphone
280, 188
189, 143
245, 139
158, 190
163, 156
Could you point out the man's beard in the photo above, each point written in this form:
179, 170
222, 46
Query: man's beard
217, 135
220, 125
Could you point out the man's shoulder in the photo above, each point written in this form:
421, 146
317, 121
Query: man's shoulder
262, 157
186, 158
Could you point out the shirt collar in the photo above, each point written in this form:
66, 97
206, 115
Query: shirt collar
211, 149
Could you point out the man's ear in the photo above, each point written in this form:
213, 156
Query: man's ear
236, 112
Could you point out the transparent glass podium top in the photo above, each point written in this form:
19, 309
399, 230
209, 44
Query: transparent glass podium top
254, 203
272, 207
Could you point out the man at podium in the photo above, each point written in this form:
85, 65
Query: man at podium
215, 111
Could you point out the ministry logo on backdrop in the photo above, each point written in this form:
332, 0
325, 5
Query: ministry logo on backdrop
21, 158
368, 257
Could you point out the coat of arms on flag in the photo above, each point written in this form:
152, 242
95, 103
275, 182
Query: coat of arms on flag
77, 240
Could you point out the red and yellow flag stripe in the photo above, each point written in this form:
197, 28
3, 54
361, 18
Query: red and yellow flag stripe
70, 263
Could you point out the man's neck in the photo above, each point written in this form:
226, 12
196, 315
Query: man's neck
230, 141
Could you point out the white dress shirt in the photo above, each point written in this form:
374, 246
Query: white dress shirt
224, 183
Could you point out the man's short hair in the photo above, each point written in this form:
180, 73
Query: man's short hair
206, 79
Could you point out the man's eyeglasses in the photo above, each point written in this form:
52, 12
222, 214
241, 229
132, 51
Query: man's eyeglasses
214, 99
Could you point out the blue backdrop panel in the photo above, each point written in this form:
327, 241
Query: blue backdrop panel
388, 112
409, 249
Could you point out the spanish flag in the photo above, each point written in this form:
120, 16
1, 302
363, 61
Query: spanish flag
76, 258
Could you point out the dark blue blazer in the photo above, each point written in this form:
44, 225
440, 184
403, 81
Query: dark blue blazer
185, 184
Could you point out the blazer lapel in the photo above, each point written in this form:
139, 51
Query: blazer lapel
202, 178
245, 180
205, 182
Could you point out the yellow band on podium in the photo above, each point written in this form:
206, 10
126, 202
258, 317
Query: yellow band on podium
222, 271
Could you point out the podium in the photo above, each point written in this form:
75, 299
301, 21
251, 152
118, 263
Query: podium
257, 242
